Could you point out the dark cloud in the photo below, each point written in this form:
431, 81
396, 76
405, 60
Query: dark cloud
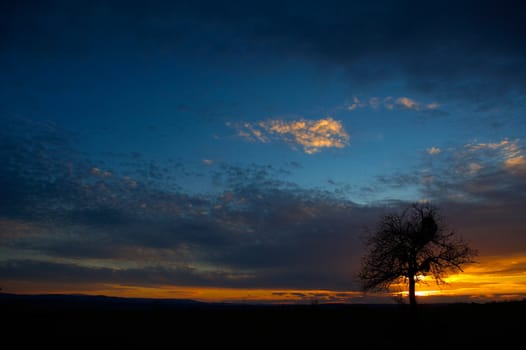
468, 49
273, 231
399, 180
257, 231
479, 186
73, 273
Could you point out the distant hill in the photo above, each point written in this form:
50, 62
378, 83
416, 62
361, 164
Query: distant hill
53, 319
92, 300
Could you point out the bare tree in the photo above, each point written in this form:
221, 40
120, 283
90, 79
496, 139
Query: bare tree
404, 247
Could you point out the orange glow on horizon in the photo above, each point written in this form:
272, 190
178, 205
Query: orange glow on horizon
492, 278
204, 294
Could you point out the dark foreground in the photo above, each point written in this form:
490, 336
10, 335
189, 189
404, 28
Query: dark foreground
80, 321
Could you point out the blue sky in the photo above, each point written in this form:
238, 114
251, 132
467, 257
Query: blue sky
216, 135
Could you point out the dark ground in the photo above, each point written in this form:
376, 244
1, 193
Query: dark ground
83, 321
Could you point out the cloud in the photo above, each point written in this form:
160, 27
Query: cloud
62, 218
408, 103
474, 168
507, 153
374, 102
505, 145
391, 103
516, 164
260, 231
311, 135
483, 166
479, 185
433, 150
432, 105
355, 104
254, 235
475, 163
53, 272
71, 225
471, 51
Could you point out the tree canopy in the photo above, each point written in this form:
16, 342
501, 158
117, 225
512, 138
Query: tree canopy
408, 245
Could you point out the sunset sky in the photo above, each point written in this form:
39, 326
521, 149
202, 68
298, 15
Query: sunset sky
238, 150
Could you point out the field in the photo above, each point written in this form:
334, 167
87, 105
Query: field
91, 321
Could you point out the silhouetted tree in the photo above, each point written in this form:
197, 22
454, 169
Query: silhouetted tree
404, 247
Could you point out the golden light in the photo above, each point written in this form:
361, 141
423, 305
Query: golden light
493, 278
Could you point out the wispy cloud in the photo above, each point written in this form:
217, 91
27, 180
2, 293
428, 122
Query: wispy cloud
433, 150
473, 157
506, 153
490, 172
391, 103
516, 164
408, 103
355, 104
476, 172
311, 135
473, 168
505, 144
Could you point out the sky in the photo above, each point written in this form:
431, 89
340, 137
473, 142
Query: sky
238, 151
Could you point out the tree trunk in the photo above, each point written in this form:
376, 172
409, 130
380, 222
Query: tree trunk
412, 296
